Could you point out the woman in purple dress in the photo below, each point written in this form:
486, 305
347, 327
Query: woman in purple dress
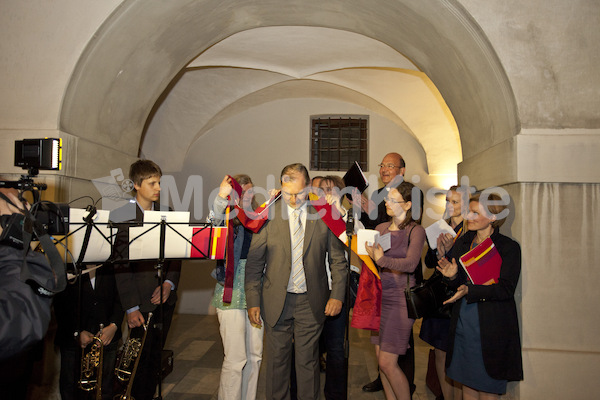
397, 267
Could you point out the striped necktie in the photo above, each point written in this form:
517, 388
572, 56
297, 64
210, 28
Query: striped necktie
297, 277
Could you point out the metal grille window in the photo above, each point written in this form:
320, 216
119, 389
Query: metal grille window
337, 141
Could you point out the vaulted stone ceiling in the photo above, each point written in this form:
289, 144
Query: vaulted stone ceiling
185, 66
266, 64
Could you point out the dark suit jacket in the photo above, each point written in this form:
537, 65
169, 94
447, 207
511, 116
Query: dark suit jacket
136, 280
99, 305
269, 265
500, 339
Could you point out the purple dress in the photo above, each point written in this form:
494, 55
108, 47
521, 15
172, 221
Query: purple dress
400, 259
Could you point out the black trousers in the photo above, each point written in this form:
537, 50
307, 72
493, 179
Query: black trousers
70, 366
15, 373
149, 368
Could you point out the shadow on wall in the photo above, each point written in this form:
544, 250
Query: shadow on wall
196, 287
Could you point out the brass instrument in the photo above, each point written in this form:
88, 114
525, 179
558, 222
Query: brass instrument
90, 377
129, 360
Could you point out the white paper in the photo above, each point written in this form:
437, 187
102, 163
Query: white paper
365, 235
385, 241
434, 230
147, 246
372, 237
98, 249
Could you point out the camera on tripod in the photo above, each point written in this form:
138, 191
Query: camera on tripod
53, 218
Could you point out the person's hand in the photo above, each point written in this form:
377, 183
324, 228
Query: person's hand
444, 243
334, 200
460, 293
333, 307
166, 291
226, 187
107, 334
366, 205
135, 319
375, 252
254, 316
447, 268
85, 338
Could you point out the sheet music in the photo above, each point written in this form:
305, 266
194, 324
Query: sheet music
372, 237
147, 246
434, 230
98, 249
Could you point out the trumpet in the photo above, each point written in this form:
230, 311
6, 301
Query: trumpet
129, 360
90, 377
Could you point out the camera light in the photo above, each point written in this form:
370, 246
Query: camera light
43, 154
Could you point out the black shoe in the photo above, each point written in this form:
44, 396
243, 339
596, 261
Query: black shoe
374, 386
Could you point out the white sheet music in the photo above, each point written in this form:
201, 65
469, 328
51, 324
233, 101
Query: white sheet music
436, 229
147, 246
372, 237
98, 249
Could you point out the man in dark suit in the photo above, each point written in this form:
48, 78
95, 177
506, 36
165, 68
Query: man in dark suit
137, 281
81, 308
286, 285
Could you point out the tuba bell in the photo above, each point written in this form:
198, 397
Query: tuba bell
90, 377
129, 360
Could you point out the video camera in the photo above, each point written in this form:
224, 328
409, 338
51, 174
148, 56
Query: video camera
48, 217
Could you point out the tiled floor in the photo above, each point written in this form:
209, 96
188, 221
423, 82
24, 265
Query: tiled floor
198, 353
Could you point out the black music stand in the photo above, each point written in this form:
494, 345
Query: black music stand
91, 227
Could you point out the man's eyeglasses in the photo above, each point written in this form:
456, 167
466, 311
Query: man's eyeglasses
388, 166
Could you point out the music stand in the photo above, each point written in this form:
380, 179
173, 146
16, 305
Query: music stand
179, 237
171, 241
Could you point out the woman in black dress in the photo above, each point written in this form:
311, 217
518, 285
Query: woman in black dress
434, 330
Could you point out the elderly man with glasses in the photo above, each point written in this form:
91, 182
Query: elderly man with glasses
391, 172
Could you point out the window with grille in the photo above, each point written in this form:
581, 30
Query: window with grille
337, 141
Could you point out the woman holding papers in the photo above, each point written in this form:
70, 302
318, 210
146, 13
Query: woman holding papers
397, 263
434, 331
242, 342
484, 349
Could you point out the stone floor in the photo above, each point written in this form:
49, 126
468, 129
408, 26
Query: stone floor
198, 354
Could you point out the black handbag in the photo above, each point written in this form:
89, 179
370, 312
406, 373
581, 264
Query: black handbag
426, 299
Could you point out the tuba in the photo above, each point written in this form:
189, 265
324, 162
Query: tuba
90, 377
129, 360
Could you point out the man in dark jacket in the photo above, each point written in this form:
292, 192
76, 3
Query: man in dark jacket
24, 314
137, 281
86, 309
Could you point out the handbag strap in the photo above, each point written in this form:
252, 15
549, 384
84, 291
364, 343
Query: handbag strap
407, 246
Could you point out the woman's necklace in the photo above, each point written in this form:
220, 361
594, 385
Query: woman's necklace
477, 240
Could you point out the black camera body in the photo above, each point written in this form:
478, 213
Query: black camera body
51, 218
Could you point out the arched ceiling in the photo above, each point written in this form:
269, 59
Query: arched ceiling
152, 58
271, 63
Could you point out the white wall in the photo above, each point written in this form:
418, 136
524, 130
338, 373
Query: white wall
264, 139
